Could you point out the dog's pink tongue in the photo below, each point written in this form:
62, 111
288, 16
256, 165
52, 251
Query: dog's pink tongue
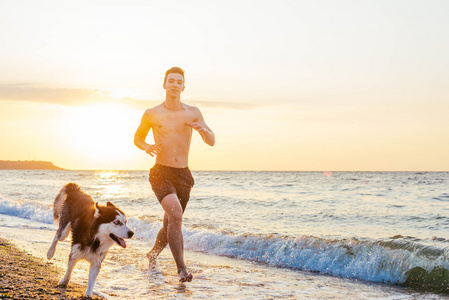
122, 243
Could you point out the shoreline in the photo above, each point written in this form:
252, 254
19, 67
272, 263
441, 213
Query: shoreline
23, 276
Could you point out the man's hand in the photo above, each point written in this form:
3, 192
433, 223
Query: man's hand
205, 132
198, 127
153, 149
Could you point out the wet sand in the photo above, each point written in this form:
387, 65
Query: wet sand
23, 276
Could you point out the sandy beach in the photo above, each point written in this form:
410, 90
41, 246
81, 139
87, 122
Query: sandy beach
23, 276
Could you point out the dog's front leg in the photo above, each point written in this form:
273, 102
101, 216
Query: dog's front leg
72, 262
93, 273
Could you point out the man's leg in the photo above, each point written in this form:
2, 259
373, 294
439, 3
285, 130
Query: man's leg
173, 211
160, 244
161, 238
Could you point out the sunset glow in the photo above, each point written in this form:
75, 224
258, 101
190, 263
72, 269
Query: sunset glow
101, 133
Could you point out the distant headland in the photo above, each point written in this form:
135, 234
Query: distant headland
27, 165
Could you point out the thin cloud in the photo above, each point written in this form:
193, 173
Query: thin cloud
62, 96
222, 104
78, 97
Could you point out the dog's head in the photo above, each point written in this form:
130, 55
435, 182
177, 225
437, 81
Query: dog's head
110, 222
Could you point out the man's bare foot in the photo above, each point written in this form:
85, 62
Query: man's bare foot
152, 260
185, 276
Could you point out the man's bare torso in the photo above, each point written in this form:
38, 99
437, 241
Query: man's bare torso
171, 132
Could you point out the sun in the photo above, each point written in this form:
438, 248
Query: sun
101, 134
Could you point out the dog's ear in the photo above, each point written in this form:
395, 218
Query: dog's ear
110, 204
97, 210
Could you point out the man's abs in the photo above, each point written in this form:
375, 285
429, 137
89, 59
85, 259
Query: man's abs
174, 153
174, 161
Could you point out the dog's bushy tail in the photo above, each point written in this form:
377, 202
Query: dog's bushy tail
62, 196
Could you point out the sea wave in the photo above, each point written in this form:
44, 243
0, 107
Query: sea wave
351, 258
396, 260
30, 210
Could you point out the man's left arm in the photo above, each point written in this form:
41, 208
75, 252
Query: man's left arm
200, 125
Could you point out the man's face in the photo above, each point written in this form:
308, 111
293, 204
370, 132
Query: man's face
174, 83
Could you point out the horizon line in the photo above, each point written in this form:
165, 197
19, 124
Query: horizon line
202, 170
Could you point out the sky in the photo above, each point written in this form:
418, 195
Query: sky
285, 85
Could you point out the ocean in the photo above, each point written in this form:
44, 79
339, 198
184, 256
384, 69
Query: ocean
257, 235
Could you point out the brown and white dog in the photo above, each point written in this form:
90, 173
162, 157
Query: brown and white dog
94, 230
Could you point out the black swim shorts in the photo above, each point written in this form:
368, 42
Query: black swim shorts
168, 180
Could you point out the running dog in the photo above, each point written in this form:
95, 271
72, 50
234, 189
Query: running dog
94, 230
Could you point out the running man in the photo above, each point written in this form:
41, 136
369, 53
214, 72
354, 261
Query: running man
172, 123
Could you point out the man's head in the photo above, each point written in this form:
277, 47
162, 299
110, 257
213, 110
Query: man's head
174, 82
177, 70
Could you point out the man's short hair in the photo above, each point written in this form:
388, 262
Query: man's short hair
174, 70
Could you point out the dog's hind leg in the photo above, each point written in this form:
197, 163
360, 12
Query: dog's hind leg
93, 273
72, 262
59, 236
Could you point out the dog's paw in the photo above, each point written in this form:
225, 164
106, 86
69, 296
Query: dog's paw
50, 253
62, 283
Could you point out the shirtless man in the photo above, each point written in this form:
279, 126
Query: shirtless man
172, 123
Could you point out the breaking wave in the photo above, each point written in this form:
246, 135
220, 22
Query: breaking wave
30, 210
396, 260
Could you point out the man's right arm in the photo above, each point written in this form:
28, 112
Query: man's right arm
141, 135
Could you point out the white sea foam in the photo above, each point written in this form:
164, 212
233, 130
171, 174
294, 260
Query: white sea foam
30, 210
